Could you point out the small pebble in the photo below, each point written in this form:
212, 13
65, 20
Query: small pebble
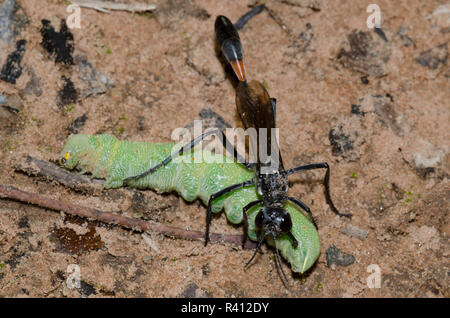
364, 80
336, 257
355, 231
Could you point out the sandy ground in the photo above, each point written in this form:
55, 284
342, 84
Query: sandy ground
377, 111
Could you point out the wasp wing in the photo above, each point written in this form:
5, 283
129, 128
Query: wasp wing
256, 110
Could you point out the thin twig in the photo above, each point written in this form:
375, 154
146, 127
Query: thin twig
104, 6
9, 192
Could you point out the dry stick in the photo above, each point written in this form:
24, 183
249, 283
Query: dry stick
48, 170
104, 6
12, 193
36, 167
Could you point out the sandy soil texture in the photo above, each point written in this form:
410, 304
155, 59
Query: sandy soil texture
374, 105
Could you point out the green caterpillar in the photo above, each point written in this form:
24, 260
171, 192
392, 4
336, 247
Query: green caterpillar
106, 157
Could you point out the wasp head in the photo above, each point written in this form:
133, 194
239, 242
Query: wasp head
275, 221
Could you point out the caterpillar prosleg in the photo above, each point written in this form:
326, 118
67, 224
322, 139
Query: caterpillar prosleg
108, 158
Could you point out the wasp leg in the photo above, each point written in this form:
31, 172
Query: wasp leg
326, 182
189, 146
305, 208
239, 25
217, 195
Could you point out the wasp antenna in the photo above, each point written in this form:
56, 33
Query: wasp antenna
285, 281
256, 249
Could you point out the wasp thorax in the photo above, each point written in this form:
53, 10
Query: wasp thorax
273, 188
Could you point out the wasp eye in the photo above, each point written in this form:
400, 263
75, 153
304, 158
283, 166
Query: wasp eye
259, 220
63, 161
286, 223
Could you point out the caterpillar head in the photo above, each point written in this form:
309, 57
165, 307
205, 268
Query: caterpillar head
73, 150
